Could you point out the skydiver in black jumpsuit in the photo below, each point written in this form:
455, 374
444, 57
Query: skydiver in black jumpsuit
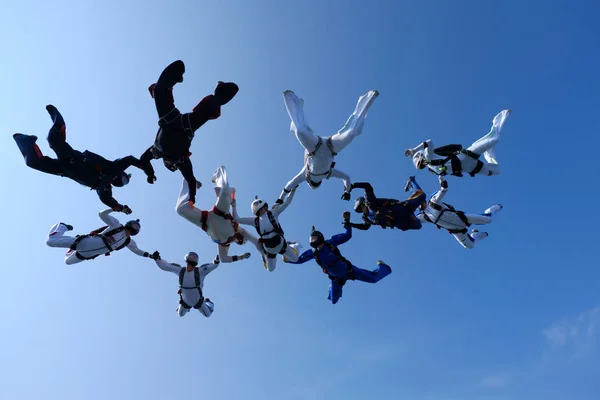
176, 130
86, 168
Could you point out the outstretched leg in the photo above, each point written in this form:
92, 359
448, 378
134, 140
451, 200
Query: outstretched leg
299, 126
207, 308
57, 238
486, 217
185, 208
162, 90
225, 193
354, 124
486, 144
57, 135
34, 157
335, 291
468, 240
292, 252
374, 276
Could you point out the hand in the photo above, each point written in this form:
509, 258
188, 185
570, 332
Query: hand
126, 210
346, 215
198, 184
346, 196
277, 203
155, 256
245, 256
151, 179
217, 260
409, 153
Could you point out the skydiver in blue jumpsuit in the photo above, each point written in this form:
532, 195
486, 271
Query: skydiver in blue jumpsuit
387, 213
86, 168
339, 270
176, 130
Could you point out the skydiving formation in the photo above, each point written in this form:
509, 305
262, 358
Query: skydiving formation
457, 158
320, 152
87, 168
221, 223
447, 217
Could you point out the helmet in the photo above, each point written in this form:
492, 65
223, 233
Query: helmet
257, 205
358, 204
316, 238
121, 180
133, 226
418, 157
191, 258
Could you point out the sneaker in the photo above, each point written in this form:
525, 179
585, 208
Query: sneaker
69, 227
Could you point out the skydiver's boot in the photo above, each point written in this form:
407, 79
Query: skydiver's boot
412, 185
492, 210
26, 142
69, 227
225, 91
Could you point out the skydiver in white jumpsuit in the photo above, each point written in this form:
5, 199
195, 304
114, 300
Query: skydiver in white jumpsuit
271, 234
459, 160
191, 282
112, 237
319, 152
218, 223
454, 221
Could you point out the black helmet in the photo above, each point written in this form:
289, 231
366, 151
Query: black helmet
191, 258
121, 180
358, 204
316, 238
133, 226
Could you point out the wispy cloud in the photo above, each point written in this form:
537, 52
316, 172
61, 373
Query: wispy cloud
578, 334
494, 381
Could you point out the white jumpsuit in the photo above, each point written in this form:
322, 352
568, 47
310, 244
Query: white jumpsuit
266, 230
191, 296
319, 166
221, 230
451, 221
91, 245
484, 146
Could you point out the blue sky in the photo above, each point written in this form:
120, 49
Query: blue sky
516, 318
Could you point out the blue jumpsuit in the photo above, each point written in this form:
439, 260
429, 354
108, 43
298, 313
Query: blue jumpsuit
338, 271
86, 168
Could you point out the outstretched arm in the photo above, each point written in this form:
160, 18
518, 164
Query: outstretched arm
293, 184
285, 204
106, 197
439, 195
306, 256
167, 266
208, 268
336, 173
226, 258
237, 218
121, 164
366, 186
108, 219
146, 166
341, 238
133, 247
187, 170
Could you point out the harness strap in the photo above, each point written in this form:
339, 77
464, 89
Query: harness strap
197, 286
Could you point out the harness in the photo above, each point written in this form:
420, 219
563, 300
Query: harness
197, 286
104, 236
204, 224
442, 210
384, 210
455, 163
274, 241
336, 252
326, 174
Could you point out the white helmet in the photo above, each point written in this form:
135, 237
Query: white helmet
191, 258
417, 158
257, 204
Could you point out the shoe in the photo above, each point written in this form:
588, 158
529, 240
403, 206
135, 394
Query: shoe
408, 182
69, 227
493, 209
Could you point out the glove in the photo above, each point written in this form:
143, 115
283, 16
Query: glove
151, 179
155, 256
245, 256
346, 215
277, 203
409, 153
126, 210
346, 196
217, 260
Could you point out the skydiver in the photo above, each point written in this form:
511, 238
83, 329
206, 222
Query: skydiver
112, 237
87, 168
459, 160
387, 213
320, 152
218, 223
338, 269
176, 130
191, 282
454, 221
271, 234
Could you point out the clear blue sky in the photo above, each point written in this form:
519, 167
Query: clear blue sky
517, 318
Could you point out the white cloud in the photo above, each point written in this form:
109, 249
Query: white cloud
578, 334
494, 381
